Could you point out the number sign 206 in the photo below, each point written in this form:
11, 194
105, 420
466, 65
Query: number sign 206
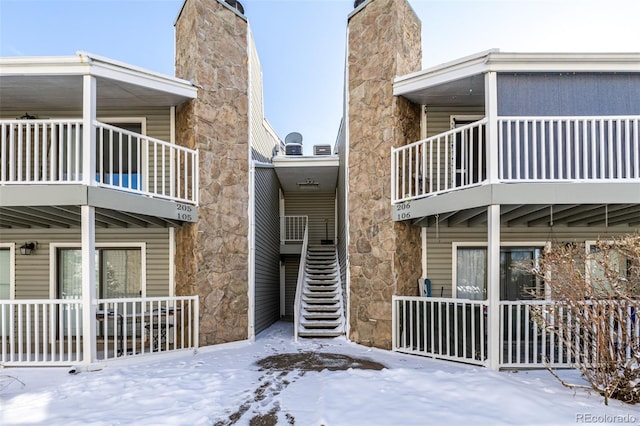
403, 211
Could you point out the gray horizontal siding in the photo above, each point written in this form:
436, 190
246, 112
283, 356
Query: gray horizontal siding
32, 272
291, 266
549, 94
440, 245
267, 249
439, 118
158, 119
317, 207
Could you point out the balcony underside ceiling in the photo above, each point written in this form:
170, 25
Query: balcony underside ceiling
69, 217
307, 174
530, 205
58, 206
44, 92
528, 215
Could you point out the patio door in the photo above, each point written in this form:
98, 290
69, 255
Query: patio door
120, 156
118, 275
515, 282
468, 152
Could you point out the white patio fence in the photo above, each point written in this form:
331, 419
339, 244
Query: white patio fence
456, 329
49, 332
452, 329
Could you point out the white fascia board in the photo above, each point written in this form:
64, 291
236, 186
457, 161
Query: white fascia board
42, 65
115, 70
306, 161
85, 63
494, 60
444, 73
564, 62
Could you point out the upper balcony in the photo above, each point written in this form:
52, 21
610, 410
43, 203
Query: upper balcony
81, 155
554, 129
530, 151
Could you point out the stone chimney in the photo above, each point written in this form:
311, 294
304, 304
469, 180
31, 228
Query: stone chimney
385, 256
212, 255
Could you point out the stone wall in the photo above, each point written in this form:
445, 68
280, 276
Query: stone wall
385, 257
212, 254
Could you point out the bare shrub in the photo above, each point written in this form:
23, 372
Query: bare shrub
595, 311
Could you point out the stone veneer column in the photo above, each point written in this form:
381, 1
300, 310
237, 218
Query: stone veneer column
212, 255
385, 256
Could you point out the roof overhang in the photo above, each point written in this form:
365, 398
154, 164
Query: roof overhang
307, 174
461, 82
56, 82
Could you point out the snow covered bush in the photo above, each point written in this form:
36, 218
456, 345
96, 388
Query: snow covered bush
595, 311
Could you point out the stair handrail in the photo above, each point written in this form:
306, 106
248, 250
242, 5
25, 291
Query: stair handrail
301, 275
340, 292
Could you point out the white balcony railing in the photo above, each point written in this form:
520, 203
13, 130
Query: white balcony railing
49, 332
568, 148
292, 229
530, 149
447, 161
51, 152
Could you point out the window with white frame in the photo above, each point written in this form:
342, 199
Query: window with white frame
605, 265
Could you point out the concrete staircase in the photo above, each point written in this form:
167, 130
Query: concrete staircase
321, 307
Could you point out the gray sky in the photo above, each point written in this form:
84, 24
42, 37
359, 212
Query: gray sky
301, 43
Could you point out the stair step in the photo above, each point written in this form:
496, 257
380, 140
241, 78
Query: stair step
321, 308
322, 288
321, 276
322, 284
320, 294
321, 301
320, 324
321, 315
320, 333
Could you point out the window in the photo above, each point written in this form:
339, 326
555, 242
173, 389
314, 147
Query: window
515, 283
600, 270
471, 273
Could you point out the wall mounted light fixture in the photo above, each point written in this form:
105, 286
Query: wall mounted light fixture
29, 247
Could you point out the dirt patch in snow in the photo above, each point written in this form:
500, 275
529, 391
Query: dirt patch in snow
312, 361
277, 377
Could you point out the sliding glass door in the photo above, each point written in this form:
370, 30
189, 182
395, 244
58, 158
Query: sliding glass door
515, 282
118, 275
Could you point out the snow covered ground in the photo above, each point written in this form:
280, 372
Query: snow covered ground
224, 385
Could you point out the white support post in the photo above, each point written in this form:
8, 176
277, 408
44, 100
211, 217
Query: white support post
424, 251
491, 111
89, 302
493, 285
88, 130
